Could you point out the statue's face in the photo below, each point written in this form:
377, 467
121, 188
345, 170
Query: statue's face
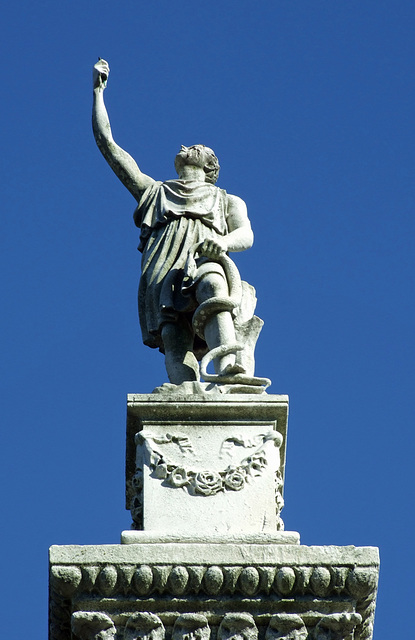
197, 155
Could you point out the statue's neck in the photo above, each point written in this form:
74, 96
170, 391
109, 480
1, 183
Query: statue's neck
189, 172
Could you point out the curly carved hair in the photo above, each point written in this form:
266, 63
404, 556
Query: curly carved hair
212, 167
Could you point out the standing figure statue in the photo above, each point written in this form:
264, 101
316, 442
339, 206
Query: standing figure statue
192, 303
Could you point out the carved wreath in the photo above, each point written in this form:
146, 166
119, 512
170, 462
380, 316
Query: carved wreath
206, 483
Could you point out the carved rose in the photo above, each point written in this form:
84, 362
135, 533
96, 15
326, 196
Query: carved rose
208, 483
178, 477
234, 479
256, 463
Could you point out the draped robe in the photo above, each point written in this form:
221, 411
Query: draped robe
174, 216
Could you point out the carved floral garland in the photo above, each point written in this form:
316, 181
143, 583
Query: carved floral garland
208, 483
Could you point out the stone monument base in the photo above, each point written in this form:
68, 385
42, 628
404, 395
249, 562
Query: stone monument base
206, 463
208, 558
263, 590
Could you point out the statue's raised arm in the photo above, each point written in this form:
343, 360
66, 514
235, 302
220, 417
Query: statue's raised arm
123, 165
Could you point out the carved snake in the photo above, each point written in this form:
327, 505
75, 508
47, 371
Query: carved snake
218, 303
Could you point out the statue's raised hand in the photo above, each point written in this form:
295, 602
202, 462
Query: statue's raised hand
100, 74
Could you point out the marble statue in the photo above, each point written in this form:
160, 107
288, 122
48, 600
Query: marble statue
192, 303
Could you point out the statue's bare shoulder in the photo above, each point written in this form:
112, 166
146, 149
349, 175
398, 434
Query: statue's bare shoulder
236, 205
237, 214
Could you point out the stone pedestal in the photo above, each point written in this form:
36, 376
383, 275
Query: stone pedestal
206, 464
208, 558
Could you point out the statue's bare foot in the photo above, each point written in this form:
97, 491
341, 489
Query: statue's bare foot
232, 370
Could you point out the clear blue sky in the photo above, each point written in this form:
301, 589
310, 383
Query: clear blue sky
310, 109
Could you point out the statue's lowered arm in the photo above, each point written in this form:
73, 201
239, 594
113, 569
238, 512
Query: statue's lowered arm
123, 165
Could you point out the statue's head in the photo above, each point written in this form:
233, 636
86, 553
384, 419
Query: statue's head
199, 156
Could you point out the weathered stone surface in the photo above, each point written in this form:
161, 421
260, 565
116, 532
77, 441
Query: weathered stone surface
206, 464
149, 537
191, 626
337, 626
264, 581
238, 625
92, 626
286, 626
144, 626
356, 559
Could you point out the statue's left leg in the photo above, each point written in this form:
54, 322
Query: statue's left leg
219, 329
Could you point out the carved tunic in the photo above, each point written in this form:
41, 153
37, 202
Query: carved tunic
174, 216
